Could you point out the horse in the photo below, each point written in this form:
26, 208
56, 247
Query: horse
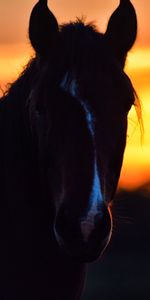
63, 127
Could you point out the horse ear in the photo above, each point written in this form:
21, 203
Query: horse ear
43, 28
122, 30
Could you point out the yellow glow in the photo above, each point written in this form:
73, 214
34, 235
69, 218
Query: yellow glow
138, 59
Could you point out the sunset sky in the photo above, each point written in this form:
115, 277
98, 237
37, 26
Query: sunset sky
15, 51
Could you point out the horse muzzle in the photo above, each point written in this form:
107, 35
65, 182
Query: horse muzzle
84, 239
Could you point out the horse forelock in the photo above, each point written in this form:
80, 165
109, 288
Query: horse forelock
86, 63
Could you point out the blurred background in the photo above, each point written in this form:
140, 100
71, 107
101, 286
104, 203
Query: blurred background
124, 271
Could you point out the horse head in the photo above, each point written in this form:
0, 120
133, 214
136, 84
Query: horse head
78, 110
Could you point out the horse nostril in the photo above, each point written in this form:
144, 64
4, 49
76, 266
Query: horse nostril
63, 216
66, 225
96, 230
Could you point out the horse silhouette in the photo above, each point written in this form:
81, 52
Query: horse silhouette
63, 126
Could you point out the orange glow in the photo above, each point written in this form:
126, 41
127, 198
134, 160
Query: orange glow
13, 58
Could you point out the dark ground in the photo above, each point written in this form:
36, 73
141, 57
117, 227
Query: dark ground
124, 271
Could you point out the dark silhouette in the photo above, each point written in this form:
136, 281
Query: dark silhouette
63, 133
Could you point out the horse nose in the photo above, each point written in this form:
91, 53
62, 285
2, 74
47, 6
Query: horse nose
82, 238
96, 234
